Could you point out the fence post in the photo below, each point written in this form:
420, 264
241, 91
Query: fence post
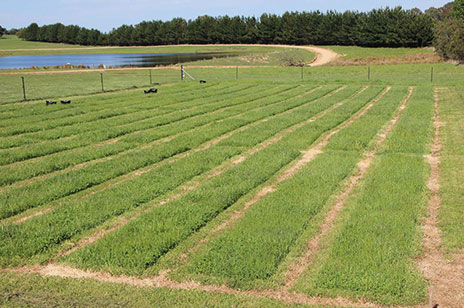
24, 88
151, 82
236, 72
101, 78
181, 72
368, 73
431, 75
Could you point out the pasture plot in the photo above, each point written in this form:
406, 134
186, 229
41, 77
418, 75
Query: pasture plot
139, 178
258, 105
133, 160
179, 219
370, 253
244, 187
252, 250
134, 133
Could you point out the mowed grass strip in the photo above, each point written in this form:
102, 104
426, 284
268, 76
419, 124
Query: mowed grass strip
370, 254
63, 159
42, 234
451, 106
65, 184
139, 245
252, 250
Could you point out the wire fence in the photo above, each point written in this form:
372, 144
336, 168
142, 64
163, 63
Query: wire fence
42, 85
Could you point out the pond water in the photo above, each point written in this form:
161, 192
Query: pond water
117, 60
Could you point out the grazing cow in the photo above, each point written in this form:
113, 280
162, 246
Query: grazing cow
66, 102
152, 90
202, 81
50, 103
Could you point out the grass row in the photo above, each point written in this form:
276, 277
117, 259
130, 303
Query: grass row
452, 137
140, 244
253, 249
40, 234
370, 252
19, 199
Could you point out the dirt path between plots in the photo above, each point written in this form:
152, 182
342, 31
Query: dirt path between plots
296, 269
53, 270
322, 56
192, 186
446, 276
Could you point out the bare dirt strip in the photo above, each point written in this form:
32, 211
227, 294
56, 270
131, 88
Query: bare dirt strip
54, 270
446, 276
123, 178
307, 157
214, 173
313, 246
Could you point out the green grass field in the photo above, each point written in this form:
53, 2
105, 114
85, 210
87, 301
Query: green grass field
64, 84
218, 194
350, 52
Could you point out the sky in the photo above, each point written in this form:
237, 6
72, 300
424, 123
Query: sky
107, 14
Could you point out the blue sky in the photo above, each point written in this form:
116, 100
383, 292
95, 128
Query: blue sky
106, 14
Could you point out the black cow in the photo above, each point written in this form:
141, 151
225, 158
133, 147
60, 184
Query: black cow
66, 102
202, 81
50, 103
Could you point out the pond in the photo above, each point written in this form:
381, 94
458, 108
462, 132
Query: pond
115, 60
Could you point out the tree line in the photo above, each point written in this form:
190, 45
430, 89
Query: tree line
389, 27
449, 31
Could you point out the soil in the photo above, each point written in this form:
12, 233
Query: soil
446, 276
